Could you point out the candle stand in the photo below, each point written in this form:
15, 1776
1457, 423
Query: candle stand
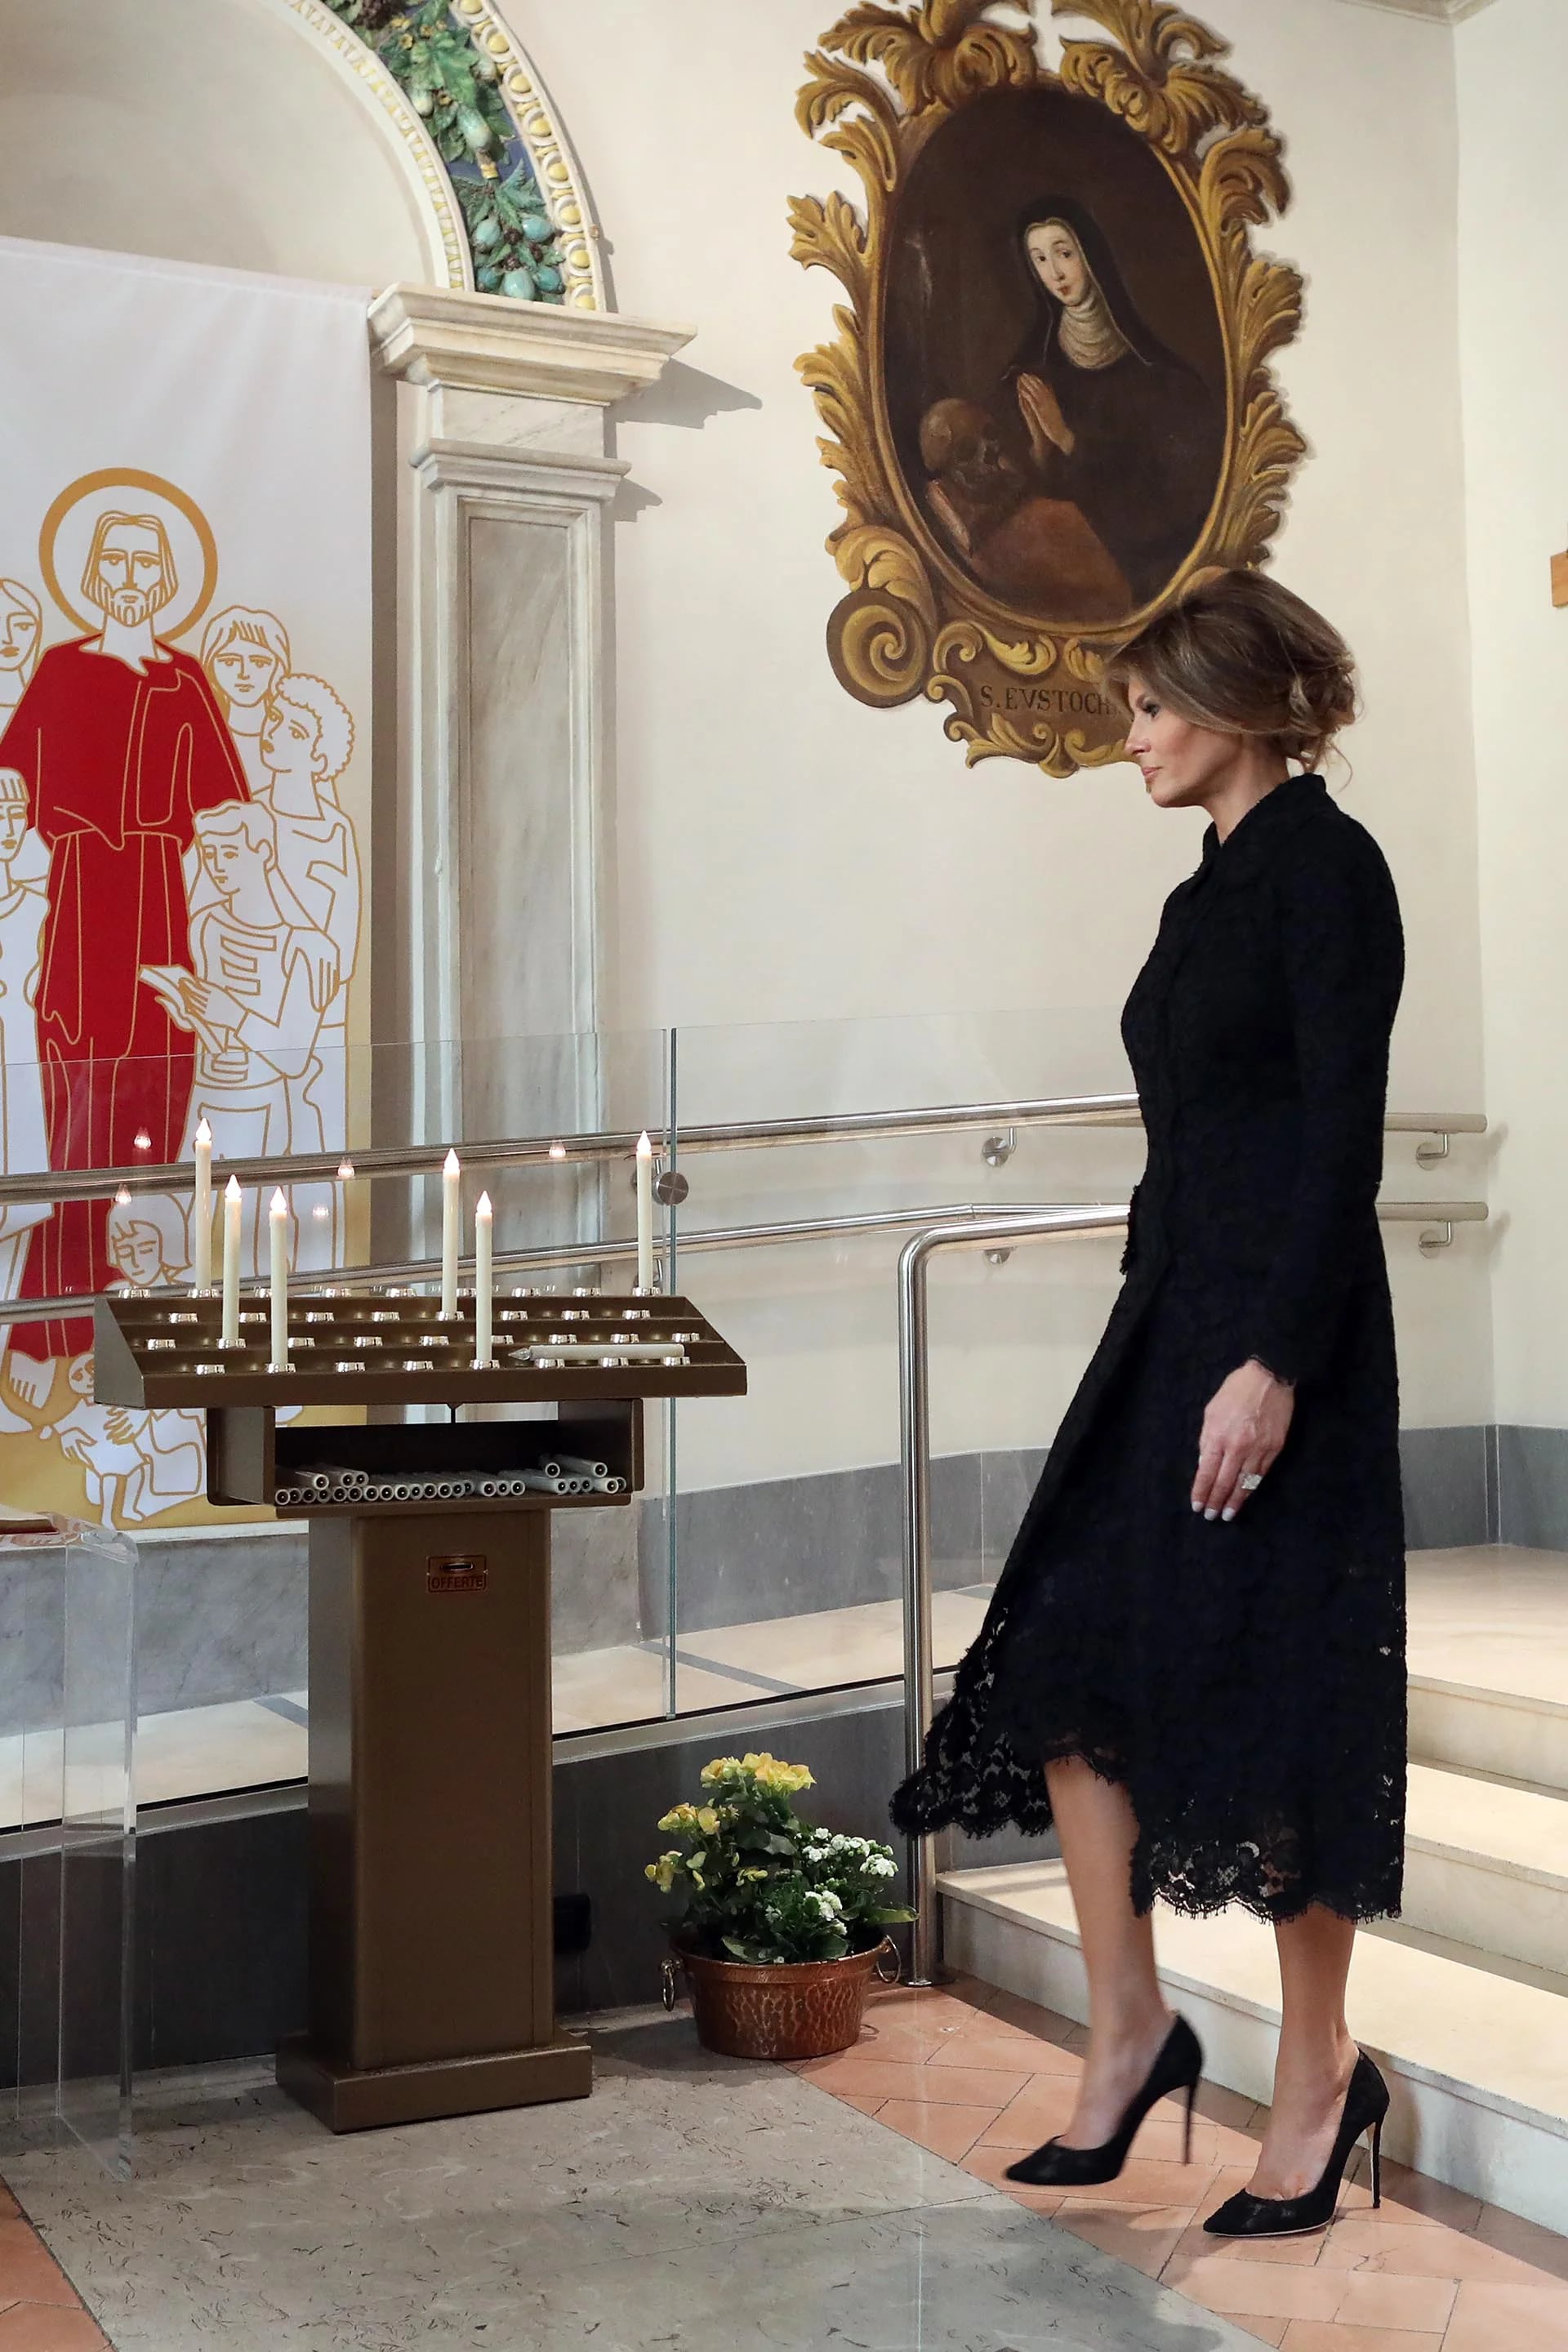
431, 1964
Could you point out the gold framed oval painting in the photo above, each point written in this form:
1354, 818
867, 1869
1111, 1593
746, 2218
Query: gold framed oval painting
1049, 401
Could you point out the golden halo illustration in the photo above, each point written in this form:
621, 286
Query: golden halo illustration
75, 514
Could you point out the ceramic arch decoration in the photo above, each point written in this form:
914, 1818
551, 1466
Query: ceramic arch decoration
495, 179
1049, 399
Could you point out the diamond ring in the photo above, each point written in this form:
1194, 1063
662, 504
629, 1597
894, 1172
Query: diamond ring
1254, 1478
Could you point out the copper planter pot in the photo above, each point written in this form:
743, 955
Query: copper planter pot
806, 2009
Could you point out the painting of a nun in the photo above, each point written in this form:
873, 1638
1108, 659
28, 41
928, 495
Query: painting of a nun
1115, 424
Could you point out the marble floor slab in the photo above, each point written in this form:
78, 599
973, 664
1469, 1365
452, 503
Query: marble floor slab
693, 2204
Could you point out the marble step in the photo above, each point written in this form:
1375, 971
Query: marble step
1475, 1726
1476, 2062
1486, 1864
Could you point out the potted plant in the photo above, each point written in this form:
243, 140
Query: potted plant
782, 1921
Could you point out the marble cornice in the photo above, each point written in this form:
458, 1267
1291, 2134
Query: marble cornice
486, 466
483, 342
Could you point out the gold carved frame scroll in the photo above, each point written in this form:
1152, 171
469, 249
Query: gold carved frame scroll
885, 82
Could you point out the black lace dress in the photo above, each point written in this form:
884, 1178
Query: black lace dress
1245, 1681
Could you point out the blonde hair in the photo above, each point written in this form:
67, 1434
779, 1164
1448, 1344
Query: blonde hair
111, 520
1241, 654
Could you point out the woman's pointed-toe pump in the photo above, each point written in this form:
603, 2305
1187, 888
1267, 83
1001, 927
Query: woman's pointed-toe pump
1247, 2216
1177, 2068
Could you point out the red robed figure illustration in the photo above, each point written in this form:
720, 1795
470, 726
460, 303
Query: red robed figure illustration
120, 742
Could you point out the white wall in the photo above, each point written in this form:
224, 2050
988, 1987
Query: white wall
785, 853
1513, 252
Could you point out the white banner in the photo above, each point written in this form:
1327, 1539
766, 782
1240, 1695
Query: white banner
184, 791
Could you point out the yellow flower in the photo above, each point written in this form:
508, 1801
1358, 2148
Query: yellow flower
720, 1769
749, 1874
706, 1819
680, 1817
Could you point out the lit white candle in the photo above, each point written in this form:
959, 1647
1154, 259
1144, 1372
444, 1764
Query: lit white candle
231, 1262
644, 1213
484, 1278
202, 1211
451, 1216
278, 1225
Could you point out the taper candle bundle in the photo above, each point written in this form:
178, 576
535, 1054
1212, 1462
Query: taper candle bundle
645, 1212
484, 1279
278, 1225
451, 1215
202, 1211
230, 1336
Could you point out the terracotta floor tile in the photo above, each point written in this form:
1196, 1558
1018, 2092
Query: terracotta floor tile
1302, 2252
43, 2327
1039, 2113
1025, 2052
1493, 2318
1274, 2290
1149, 2181
902, 2079
1144, 2235
1328, 2335
1384, 2299
1413, 2251
1268, 2331
950, 2131
9, 2209
1356, 2237
1542, 2250
853, 2099
1230, 2107
1048, 2023
904, 2002
29, 2272
988, 2164
1433, 2198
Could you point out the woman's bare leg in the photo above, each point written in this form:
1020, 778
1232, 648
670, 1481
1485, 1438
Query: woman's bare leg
1128, 2016
1317, 2055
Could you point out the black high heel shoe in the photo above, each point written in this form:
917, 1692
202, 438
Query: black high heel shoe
1247, 2216
1177, 2068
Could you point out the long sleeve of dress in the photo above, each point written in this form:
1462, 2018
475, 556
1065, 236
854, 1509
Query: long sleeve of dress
1343, 954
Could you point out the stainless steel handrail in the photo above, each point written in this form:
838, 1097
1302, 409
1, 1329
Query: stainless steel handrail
914, 1446
719, 1237
1119, 1110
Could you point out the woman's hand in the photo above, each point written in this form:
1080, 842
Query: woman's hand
1043, 415
1244, 1428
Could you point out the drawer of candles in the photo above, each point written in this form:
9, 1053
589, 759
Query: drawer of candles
167, 1348
594, 1459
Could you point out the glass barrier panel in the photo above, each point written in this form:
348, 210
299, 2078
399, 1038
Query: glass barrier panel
788, 1512
67, 1788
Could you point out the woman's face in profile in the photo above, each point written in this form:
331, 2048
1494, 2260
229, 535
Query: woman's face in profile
1056, 259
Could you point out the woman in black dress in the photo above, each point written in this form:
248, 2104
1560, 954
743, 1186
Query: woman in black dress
1193, 1660
1117, 425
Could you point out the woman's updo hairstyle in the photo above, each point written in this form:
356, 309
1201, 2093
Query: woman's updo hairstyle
1242, 655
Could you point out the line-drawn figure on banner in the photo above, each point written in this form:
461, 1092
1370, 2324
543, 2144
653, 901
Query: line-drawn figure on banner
23, 1143
122, 745
21, 630
244, 654
306, 744
135, 1464
263, 978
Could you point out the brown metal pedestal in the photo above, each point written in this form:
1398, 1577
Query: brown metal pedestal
431, 1902
431, 1968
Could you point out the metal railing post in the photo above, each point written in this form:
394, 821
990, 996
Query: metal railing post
914, 1449
914, 1445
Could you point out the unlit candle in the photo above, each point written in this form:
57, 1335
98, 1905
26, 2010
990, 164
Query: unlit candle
451, 1214
644, 1213
202, 1211
484, 1264
278, 1222
230, 1335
